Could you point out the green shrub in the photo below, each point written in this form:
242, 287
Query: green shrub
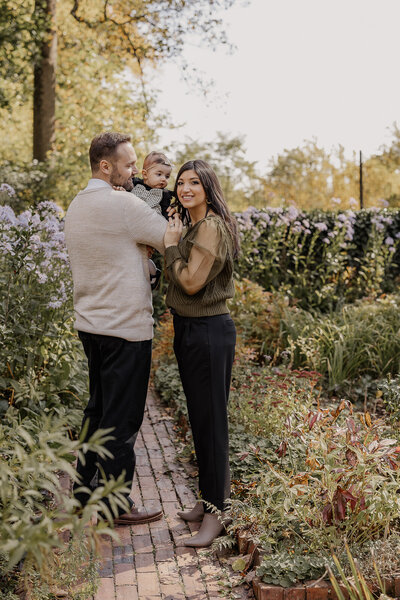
257, 315
390, 390
287, 568
40, 356
320, 259
345, 487
35, 508
24, 184
358, 340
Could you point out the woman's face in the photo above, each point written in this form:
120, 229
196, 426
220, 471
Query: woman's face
190, 191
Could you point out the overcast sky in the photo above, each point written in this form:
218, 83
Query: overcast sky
328, 69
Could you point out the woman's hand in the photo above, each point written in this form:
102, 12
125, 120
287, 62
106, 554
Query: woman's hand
174, 231
171, 210
119, 188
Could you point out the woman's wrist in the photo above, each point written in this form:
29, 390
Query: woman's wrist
169, 244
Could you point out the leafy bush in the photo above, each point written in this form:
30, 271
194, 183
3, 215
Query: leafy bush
320, 259
345, 488
390, 390
262, 399
287, 568
257, 315
359, 339
40, 356
23, 185
36, 510
168, 384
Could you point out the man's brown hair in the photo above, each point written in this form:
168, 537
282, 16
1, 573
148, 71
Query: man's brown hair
104, 146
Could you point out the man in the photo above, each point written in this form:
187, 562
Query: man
106, 232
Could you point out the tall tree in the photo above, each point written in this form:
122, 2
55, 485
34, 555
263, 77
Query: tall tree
127, 34
44, 83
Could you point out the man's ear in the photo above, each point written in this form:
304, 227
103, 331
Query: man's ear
105, 167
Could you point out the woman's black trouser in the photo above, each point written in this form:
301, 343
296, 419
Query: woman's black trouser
118, 379
205, 349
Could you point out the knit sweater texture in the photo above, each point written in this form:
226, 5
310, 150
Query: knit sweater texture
105, 232
204, 257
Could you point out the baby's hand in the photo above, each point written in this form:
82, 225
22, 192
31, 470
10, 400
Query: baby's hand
119, 188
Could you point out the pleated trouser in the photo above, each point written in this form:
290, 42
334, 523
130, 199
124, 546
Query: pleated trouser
205, 349
118, 380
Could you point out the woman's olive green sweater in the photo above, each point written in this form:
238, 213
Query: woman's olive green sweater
200, 270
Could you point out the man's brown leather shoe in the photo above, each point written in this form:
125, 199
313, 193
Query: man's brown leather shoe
137, 517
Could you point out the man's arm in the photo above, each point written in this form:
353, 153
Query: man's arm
144, 224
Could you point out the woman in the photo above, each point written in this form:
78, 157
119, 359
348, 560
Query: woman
200, 269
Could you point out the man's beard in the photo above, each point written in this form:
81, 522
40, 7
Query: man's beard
115, 179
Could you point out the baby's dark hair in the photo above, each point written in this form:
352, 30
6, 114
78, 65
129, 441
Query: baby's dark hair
156, 158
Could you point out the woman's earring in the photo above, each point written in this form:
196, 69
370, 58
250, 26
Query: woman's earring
208, 201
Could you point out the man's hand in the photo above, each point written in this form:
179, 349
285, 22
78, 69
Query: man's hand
174, 231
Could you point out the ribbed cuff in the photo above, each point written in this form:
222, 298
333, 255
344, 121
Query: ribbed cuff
171, 255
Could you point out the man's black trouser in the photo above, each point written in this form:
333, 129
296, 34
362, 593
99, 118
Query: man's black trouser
118, 379
205, 349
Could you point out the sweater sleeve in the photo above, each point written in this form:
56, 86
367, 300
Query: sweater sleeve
144, 224
206, 259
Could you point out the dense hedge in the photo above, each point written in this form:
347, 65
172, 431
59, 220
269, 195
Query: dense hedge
320, 258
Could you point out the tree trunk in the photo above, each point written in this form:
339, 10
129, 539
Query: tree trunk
44, 93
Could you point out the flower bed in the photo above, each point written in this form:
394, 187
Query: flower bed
307, 478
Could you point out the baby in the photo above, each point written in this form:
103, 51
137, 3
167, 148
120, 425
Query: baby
156, 173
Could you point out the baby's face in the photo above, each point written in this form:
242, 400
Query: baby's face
157, 176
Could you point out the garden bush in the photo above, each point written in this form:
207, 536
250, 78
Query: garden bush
389, 390
353, 347
27, 184
41, 361
258, 315
359, 340
36, 511
320, 259
346, 489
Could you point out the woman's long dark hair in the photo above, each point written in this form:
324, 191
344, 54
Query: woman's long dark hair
215, 198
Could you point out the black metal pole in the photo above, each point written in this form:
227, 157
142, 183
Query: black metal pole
361, 183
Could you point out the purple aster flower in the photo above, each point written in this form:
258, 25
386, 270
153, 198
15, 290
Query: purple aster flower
8, 189
7, 215
54, 304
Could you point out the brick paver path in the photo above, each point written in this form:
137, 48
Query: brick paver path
146, 563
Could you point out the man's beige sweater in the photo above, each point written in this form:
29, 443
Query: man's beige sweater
105, 231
